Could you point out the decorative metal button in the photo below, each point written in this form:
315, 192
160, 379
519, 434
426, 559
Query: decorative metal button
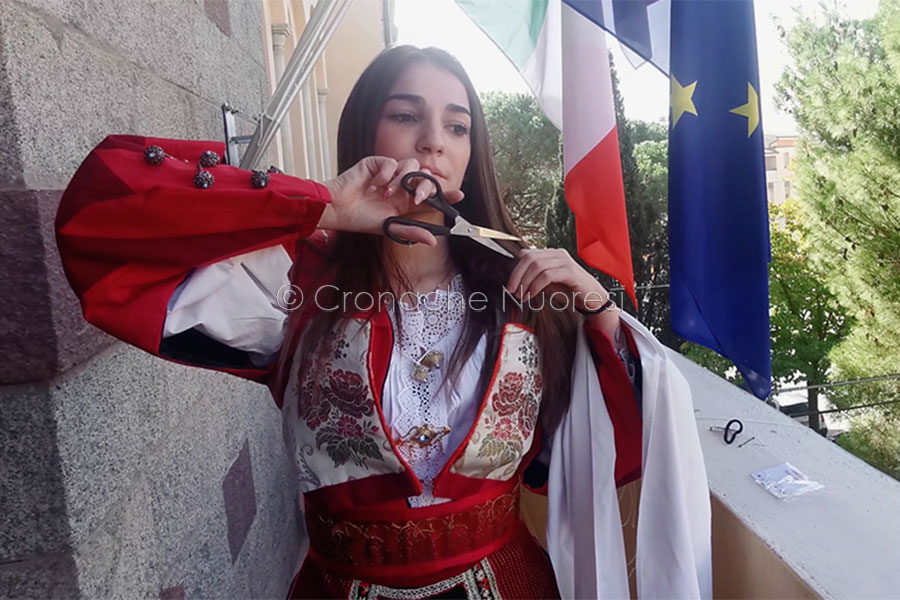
204, 180
154, 155
209, 159
274, 169
259, 179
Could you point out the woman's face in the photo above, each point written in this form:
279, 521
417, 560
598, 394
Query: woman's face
427, 117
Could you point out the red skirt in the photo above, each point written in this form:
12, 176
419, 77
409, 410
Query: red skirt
518, 569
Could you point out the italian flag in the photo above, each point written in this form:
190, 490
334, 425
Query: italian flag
562, 56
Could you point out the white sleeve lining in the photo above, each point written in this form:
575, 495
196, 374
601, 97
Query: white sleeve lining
234, 302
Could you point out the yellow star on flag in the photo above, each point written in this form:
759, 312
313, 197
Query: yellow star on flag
749, 110
681, 100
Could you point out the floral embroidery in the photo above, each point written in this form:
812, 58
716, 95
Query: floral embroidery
349, 393
335, 407
506, 400
529, 353
505, 429
528, 415
340, 349
513, 418
304, 472
348, 427
503, 444
342, 449
312, 406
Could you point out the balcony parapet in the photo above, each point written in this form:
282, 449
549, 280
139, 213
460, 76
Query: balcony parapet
842, 541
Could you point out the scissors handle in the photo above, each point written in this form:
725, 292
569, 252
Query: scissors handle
432, 227
436, 200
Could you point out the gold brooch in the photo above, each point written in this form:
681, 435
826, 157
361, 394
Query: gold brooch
423, 437
431, 360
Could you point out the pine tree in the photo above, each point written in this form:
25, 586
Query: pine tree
844, 93
528, 159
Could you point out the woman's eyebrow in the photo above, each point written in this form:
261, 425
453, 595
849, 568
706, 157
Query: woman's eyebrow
459, 109
416, 99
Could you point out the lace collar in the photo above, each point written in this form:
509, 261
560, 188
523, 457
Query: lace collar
409, 301
439, 312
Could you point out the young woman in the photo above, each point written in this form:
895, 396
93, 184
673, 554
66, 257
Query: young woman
420, 383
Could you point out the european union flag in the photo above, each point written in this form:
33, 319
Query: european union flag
718, 218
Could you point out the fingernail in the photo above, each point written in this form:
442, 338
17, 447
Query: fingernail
388, 192
420, 195
370, 189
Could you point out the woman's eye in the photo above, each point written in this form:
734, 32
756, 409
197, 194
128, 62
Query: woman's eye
459, 129
403, 118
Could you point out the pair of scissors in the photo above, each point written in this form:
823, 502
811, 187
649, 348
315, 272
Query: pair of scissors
454, 223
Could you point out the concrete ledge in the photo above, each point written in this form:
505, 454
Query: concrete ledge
841, 541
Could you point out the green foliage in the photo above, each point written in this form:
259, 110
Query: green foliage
647, 204
642, 131
713, 361
560, 224
844, 92
806, 320
875, 443
528, 158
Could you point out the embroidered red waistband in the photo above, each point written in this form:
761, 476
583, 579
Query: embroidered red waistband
373, 545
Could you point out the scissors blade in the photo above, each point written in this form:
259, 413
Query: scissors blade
470, 231
463, 227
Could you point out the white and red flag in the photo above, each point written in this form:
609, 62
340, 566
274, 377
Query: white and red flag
559, 47
556, 48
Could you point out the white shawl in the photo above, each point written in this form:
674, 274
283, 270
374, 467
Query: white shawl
584, 531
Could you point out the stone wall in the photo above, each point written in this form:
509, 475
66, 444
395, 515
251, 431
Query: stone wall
121, 474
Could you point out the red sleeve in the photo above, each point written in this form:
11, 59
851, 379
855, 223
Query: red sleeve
129, 232
621, 403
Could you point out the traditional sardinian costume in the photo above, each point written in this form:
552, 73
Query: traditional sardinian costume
410, 489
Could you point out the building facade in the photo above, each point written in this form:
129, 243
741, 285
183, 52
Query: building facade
120, 474
779, 153
305, 146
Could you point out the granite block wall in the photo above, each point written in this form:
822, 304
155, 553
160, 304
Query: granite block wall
122, 475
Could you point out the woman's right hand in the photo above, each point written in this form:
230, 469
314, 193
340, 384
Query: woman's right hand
363, 196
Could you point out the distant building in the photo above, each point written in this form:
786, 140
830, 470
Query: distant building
780, 151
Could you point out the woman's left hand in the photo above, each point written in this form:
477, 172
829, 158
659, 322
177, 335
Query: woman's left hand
540, 267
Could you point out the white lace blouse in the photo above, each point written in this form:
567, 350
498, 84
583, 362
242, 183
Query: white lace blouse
434, 324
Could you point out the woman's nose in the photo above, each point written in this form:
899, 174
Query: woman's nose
431, 138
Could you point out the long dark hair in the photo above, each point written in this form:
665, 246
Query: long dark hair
356, 264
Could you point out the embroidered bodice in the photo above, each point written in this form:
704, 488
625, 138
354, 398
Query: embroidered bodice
343, 419
414, 396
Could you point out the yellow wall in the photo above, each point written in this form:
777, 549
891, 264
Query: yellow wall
356, 41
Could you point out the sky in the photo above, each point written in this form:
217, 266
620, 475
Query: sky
644, 90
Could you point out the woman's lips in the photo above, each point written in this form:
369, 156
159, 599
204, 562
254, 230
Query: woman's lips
435, 171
